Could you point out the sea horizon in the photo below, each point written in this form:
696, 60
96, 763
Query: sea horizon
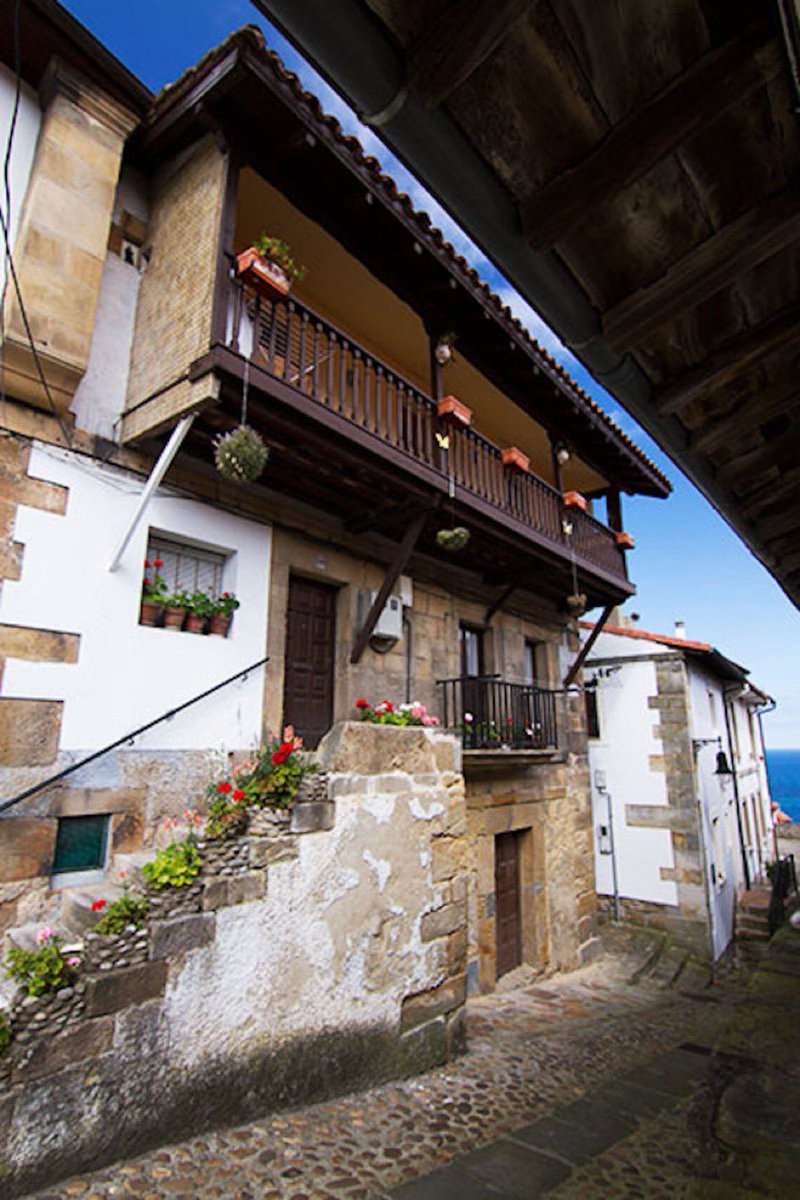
783, 767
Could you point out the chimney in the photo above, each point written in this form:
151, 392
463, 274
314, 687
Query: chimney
680, 630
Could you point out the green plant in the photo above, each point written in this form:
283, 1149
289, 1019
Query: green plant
180, 599
387, 713
272, 779
121, 913
154, 587
227, 811
175, 866
5, 1035
44, 969
279, 252
201, 604
226, 605
453, 539
241, 454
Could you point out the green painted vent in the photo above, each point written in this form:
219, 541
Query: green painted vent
80, 844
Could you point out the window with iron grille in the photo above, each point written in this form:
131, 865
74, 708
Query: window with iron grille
187, 568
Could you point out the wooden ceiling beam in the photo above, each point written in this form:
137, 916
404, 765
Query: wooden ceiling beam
757, 235
771, 492
747, 414
730, 361
456, 41
759, 457
655, 129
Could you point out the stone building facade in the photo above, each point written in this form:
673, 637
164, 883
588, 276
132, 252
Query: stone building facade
108, 460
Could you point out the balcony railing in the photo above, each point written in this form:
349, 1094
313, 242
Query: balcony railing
494, 715
302, 349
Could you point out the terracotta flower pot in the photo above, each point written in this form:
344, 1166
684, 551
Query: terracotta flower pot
262, 275
174, 618
575, 500
150, 612
195, 623
219, 624
624, 540
515, 459
452, 411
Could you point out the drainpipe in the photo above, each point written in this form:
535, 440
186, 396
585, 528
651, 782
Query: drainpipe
409, 631
764, 712
735, 777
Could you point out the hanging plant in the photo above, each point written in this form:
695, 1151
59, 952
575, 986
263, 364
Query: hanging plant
577, 604
443, 350
241, 454
453, 539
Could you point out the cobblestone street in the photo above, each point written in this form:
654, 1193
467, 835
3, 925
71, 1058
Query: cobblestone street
582, 1077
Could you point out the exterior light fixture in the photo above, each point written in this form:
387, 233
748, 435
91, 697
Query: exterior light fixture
562, 454
723, 767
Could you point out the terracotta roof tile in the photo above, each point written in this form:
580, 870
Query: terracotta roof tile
645, 636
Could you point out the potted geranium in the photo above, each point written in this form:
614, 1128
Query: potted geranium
175, 609
224, 609
268, 267
154, 593
201, 607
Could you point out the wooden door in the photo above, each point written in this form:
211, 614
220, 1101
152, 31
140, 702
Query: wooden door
310, 658
507, 907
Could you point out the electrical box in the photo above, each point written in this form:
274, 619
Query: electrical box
604, 839
390, 622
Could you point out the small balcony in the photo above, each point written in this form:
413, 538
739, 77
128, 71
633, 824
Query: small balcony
494, 715
370, 404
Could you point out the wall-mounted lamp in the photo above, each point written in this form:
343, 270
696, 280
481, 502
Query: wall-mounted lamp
723, 766
443, 350
562, 454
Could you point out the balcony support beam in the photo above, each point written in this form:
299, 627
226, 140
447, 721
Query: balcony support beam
393, 573
590, 641
499, 602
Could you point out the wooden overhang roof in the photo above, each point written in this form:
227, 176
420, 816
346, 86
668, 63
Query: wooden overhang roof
638, 167
243, 92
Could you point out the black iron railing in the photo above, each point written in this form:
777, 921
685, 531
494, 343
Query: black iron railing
784, 884
492, 714
128, 738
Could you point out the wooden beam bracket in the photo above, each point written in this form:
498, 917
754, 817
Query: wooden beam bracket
393, 573
590, 641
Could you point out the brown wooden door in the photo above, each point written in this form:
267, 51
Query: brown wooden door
506, 897
310, 657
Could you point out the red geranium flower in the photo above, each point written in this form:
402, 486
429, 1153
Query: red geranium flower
362, 703
98, 905
388, 706
224, 788
147, 562
238, 796
158, 562
278, 758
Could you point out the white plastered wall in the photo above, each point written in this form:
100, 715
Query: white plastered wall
622, 755
26, 133
128, 674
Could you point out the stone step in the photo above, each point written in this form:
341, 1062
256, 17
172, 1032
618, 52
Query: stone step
26, 937
76, 906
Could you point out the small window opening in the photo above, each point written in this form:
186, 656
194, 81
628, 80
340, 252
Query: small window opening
592, 713
81, 844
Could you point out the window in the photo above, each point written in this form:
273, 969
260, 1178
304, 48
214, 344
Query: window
535, 662
592, 713
471, 650
187, 568
80, 844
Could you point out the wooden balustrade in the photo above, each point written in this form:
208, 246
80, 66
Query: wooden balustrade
309, 353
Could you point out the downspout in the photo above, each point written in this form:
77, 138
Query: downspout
409, 656
735, 778
764, 712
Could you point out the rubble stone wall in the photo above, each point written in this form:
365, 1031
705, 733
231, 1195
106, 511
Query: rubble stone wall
331, 959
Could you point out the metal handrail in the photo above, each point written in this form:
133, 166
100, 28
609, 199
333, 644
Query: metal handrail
494, 713
129, 737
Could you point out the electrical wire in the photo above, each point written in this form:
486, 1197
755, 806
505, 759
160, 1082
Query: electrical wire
10, 266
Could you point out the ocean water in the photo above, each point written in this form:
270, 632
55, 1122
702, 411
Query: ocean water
784, 780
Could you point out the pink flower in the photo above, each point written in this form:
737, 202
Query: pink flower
418, 712
45, 934
429, 722
73, 961
122, 873
468, 717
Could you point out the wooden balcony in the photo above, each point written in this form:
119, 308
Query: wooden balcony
296, 356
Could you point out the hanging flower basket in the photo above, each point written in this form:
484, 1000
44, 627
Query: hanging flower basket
241, 455
453, 539
576, 604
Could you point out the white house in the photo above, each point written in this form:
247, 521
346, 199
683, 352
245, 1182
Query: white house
680, 797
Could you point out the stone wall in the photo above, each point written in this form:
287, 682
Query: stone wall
330, 959
175, 309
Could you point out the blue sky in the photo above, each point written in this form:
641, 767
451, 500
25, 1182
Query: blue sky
688, 565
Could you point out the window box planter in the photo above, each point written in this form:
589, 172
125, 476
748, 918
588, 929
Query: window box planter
219, 624
452, 411
195, 623
174, 617
624, 540
574, 500
515, 460
150, 613
262, 275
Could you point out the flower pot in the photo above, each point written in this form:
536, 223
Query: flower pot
515, 459
219, 624
452, 411
453, 539
624, 540
575, 500
150, 612
195, 623
262, 275
174, 618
